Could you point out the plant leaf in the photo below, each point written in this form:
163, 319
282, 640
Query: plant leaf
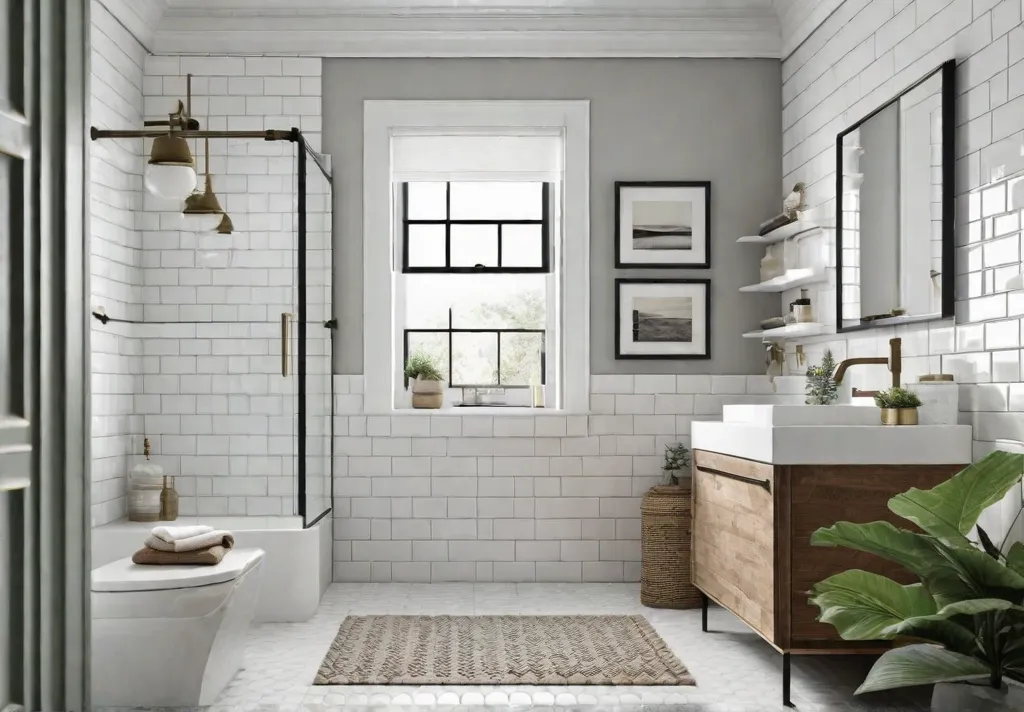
986, 544
921, 664
910, 550
950, 634
1015, 558
937, 629
950, 510
861, 604
967, 573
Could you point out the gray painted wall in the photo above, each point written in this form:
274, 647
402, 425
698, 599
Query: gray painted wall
651, 119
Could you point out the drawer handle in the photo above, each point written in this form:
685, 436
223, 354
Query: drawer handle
766, 484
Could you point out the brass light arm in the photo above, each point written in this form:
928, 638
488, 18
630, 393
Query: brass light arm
270, 135
190, 124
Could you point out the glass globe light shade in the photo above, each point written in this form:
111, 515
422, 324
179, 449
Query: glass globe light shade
173, 182
206, 222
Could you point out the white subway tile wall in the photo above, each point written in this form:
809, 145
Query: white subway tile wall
430, 498
226, 419
863, 55
115, 261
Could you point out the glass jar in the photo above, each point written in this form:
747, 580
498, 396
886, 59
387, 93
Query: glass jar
145, 482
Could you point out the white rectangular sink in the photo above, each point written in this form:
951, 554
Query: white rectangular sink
789, 415
829, 435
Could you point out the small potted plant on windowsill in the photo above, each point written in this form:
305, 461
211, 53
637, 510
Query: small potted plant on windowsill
425, 380
665, 516
899, 406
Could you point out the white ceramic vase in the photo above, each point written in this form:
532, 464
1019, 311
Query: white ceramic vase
962, 697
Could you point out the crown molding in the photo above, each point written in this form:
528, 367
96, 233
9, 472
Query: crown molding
139, 17
800, 18
643, 28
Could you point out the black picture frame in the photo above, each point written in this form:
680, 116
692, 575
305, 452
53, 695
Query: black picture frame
947, 70
704, 354
622, 257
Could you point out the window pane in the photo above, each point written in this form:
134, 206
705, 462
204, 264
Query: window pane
426, 246
497, 201
522, 246
506, 305
474, 245
477, 301
520, 359
475, 359
426, 201
433, 345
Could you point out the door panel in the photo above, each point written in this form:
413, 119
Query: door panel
15, 433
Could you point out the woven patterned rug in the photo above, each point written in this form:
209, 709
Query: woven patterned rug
500, 650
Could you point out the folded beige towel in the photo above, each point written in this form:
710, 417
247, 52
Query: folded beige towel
173, 534
214, 537
209, 556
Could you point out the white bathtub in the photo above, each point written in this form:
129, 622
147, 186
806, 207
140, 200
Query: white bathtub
296, 568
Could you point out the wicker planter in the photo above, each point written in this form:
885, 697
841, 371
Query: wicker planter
427, 394
665, 542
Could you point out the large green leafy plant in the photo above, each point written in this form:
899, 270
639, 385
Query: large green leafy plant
969, 604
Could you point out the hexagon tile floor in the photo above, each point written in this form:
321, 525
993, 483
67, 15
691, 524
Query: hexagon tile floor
735, 670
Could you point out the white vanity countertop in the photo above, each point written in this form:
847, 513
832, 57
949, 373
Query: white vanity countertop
836, 444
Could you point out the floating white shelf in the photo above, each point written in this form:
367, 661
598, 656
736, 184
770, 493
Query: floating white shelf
799, 229
789, 331
792, 278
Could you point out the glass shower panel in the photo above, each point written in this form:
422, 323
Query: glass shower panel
318, 331
245, 387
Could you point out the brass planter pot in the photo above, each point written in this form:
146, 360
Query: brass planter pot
899, 416
907, 416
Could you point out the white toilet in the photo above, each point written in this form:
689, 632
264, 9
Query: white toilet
170, 636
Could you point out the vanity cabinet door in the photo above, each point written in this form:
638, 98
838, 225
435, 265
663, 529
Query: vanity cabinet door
733, 549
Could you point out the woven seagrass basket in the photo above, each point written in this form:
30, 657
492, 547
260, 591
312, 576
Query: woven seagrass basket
665, 517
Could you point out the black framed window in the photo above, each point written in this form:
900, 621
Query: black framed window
487, 227
483, 357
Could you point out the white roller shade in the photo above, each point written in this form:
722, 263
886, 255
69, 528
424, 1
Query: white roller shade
467, 157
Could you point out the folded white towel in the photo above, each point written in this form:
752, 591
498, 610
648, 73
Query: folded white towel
214, 537
173, 534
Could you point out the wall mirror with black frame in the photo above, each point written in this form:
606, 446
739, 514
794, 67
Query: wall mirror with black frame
895, 209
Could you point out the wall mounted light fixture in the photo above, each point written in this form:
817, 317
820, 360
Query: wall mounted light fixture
171, 171
204, 208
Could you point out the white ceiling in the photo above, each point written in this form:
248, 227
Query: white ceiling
418, 28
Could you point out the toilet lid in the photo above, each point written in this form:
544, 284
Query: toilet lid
122, 575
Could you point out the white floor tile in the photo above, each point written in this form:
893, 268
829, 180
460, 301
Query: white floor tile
735, 670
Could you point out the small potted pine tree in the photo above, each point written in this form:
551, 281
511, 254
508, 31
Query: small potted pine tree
665, 516
822, 388
425, 381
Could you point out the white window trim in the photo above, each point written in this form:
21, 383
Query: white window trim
382, 119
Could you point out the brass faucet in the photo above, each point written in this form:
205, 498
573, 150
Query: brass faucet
894, 362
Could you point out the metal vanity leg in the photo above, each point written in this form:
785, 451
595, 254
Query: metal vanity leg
785, 680
703, 612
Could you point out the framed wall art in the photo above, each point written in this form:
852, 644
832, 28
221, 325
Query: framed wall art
663, 224
662, 319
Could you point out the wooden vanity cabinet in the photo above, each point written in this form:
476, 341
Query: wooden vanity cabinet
752, 525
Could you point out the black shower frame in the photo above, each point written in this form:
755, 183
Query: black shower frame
305, 152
